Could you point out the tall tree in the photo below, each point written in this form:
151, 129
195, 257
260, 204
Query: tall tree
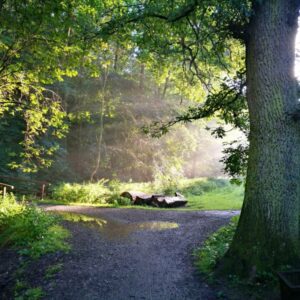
268, 231
206, 38
203, 33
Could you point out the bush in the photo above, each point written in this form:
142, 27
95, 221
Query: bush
119, 201
202, 193
114, 187
102, 192
201, 187
215, 247
167, 184
30, 230
83, 193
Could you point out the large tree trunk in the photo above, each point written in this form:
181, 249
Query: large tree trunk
268, 231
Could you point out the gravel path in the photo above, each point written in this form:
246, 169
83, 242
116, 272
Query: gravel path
134, 254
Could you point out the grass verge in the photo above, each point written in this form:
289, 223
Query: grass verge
214, 248
29, 230
202, 193
261, 286
32, 233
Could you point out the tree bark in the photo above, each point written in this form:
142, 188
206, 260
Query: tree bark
268, 231
142, 77
99, 138
116, 58
166, 85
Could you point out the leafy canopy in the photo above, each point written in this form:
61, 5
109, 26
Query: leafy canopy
41, 42
197, 44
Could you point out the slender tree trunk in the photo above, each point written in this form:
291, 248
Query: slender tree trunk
99, 138
268, 231
166, 85
116, 58
142, 77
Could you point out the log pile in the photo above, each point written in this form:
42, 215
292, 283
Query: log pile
158, 200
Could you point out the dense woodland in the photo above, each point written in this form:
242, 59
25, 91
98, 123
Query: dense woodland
104, 137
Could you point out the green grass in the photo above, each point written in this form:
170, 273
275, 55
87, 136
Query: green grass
229, 198
82, 193
201, 193
261, 285
30, 230
32, 233
215, 247
22, 291
51, 271
51, 201
102, 192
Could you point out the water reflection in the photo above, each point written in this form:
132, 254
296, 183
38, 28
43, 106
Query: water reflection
112, 229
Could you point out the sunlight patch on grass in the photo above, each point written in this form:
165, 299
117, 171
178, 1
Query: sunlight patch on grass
223, 199
201, 193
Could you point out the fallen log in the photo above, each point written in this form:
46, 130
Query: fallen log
158, 200
138, 198
168, 201
142, 200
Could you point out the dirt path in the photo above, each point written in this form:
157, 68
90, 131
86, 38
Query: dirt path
134, 254
120, 254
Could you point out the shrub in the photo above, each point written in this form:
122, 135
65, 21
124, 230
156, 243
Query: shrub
30, 230
201, 187
114, 198
119, 201
215, 247
167, 184
102, 192
83, 193
108, 192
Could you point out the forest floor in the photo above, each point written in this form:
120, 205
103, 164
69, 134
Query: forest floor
122, 254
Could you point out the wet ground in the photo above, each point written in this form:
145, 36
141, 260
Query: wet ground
134, 254
130, 254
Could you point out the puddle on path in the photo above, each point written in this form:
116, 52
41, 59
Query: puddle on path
111, 229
